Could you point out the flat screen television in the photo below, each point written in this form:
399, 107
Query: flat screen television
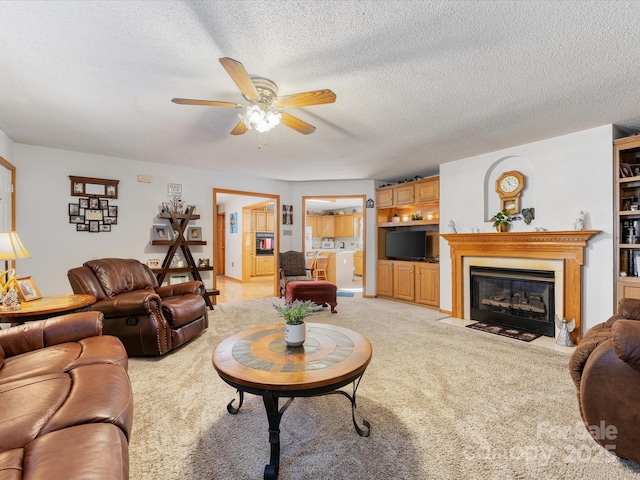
406, 245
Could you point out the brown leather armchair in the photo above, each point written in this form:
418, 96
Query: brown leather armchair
147, 318
605, 368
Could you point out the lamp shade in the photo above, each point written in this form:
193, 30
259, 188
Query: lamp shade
11, 248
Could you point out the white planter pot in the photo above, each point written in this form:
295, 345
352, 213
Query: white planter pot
294, 335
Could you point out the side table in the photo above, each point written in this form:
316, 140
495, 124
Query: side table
46, 307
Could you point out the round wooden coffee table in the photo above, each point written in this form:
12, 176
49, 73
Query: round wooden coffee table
258, 361
46, 307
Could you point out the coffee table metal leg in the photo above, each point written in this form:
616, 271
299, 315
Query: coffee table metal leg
233, 410
366, 429
273, 416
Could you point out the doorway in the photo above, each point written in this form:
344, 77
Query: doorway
234, 246
335, 226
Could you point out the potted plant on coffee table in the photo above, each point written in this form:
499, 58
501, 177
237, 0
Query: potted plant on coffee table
502, 221
294, 314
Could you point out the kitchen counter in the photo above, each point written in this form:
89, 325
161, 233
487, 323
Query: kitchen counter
340, 268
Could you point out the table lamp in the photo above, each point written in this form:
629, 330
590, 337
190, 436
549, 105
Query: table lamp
11, 248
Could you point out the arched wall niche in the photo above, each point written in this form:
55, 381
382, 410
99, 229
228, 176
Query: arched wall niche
503, 164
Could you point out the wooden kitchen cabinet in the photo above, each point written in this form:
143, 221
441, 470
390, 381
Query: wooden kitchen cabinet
427, 283
264, 222
427, 190
385, 278
403, 195
326, 226
344, 226
384, 197
404, 281
263, 265
417, 282
358, 263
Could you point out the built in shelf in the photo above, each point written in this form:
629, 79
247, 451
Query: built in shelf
186, 269
410, 223
180, 216
171, 242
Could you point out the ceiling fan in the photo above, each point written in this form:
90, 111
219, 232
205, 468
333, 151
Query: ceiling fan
265, 109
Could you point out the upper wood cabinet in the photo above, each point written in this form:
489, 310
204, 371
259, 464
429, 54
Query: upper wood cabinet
384, 197
264, 222
403, 195
427, 190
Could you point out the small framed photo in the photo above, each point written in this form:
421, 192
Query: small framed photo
174, 189
94, 203
112, 191
94, 226
76, 219
104, 204
74, 209
27, 289
110, 220
153, 263
93, 214
78, 188
176, 279
84, 202
105, 228
82, 227
160, 232
194, 233
635, 169
203, 262
113, 210
625, 170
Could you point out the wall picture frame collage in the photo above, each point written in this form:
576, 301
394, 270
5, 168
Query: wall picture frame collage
93, 215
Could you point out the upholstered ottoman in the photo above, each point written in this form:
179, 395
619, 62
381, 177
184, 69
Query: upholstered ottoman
319, 292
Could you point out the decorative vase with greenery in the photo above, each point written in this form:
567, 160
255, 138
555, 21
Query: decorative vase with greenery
502, 221
294, 314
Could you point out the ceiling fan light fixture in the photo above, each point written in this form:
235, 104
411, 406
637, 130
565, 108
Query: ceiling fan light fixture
261, 117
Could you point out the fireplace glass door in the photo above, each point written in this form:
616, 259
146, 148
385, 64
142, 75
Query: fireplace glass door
522, 299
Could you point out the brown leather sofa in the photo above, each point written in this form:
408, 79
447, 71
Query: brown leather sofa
148, 319
605, 368
66, 406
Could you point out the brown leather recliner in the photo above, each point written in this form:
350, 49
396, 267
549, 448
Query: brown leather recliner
605, 368
147, 318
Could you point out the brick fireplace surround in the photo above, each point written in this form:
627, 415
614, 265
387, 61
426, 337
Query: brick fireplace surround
567, 246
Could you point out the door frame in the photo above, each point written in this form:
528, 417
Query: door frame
363, 232
267, 196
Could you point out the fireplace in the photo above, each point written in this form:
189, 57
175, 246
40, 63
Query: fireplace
565, 248
523, 299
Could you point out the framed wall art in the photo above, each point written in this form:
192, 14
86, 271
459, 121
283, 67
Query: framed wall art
194, 233
27, 289
93, 214
93, 187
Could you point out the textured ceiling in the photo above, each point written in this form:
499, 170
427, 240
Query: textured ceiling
418, 83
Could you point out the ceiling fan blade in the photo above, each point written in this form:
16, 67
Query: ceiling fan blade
208, 103
316, 97
239, 129
297, 124
240, 76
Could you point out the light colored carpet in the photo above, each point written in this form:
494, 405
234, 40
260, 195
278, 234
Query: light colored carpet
444, 402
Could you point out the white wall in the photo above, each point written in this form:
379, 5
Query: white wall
6, 147
43, 195
338, 188
565, 175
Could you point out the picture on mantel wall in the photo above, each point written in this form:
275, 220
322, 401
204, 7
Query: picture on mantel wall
287, 214
233, 223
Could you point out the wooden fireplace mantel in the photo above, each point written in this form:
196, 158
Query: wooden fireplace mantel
567, 246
